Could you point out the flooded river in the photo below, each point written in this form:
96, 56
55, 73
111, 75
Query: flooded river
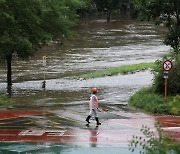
97, 45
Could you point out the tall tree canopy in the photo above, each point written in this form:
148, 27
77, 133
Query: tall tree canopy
166, 12
110, 5
25, 25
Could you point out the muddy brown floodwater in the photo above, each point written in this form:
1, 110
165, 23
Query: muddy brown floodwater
97, 45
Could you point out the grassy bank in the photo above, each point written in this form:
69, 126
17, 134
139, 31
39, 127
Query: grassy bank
5, 101
125, 69
149, 101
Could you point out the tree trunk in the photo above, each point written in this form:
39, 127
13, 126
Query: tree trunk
9, 73
108, 13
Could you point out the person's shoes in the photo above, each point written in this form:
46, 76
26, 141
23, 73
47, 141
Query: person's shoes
97, 120
88, 122
87, 119
87, 125
98, 125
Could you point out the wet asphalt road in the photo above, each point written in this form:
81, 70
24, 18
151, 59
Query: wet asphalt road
44, 132
66, 133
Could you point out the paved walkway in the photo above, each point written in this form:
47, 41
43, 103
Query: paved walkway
171, 125
62, 129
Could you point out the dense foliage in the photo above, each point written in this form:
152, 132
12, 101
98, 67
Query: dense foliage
166, 12
108, 6
25, 25
175, 105
174, 75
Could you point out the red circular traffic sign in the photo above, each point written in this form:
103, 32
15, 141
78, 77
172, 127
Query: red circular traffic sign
167, 65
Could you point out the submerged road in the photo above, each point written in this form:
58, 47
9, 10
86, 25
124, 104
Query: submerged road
59, 132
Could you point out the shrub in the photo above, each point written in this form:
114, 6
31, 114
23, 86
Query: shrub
153, 144
149, 101
174, 80
175, 105
174, 75
158, 80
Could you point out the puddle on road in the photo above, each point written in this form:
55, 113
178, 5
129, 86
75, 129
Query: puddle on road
52, 148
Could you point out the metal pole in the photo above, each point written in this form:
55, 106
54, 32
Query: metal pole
44, 64
166, 84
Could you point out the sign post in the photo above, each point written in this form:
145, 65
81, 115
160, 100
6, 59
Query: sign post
167, 66
165, 89
44, 64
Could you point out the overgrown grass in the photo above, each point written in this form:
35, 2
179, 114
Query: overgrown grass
5, 101
149, 101
125, 69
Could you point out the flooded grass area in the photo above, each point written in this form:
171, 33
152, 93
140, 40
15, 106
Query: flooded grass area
4, 101
124, 69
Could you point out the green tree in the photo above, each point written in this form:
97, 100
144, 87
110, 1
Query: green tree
166, 12
25, 25
108, 6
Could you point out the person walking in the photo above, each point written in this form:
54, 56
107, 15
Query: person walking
93, 105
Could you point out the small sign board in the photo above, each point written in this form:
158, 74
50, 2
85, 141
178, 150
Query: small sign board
165, 75
44, 60
167, 65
